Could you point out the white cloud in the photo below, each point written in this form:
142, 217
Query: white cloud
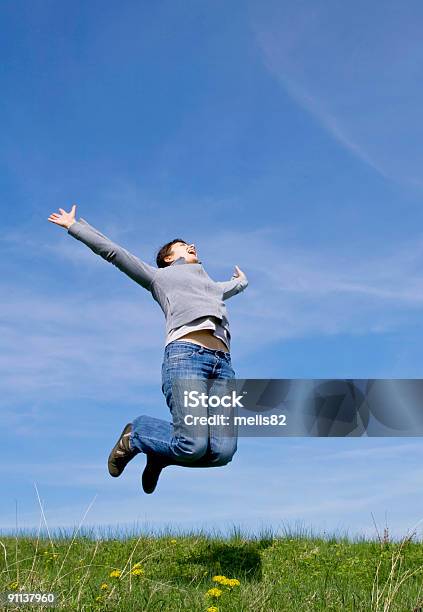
276, 494
356, 71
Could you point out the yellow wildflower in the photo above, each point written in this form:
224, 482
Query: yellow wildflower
220, 579
115, 574
104, 586
231, 582
174, 541
14, 585
137, 571
136, 565
214, 592
213, 609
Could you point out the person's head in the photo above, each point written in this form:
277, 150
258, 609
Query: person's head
171, 251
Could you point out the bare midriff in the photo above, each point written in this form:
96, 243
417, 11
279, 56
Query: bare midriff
205, 337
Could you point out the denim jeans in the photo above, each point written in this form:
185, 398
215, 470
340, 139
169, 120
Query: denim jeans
178, 443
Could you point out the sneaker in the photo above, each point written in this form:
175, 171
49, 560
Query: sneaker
151, 473
121, 453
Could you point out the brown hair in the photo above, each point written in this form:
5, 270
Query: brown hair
166, 250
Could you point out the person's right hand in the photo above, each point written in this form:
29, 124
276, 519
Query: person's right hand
65, 219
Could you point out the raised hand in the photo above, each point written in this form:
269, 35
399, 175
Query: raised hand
65, 219
239, 273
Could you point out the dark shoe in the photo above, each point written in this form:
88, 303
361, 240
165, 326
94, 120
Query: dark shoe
151, 473
121, 453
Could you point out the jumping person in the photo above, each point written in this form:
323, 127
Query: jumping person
197, 346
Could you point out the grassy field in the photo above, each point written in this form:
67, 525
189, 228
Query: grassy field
202, 572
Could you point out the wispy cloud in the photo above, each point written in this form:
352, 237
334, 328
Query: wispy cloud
379, 452
279, 497
355, 71
295, 292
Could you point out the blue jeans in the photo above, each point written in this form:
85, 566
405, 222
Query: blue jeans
178, 443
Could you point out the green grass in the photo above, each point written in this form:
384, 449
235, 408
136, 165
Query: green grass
292, 573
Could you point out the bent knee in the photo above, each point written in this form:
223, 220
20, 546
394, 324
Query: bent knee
225, 456
192, 450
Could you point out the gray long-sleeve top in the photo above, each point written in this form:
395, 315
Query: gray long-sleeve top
184, 292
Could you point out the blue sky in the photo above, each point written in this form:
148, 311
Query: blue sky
282, 137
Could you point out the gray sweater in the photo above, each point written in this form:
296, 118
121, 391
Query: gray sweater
183, 291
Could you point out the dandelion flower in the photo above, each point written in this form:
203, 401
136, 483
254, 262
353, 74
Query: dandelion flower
214, 592
213, 609
137, 571
136, 565
115, 574
104, 586
231, 582
14, 585
220, 579
174, 541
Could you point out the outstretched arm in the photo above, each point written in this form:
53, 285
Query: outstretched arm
237, 284
141, 272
